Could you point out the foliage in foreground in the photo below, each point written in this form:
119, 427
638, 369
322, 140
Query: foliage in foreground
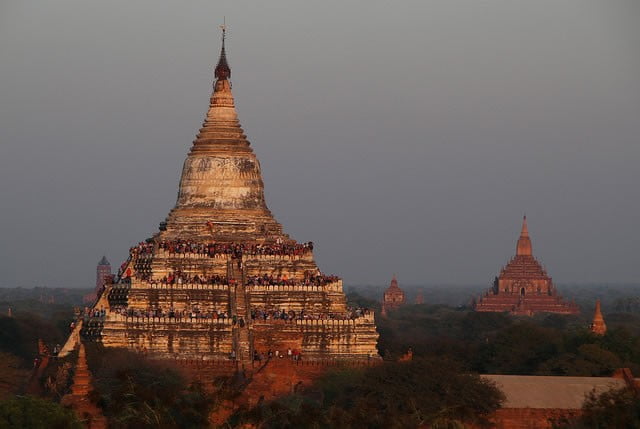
13, 374
616, 408
28, 412
19, 335
142, 393
393, 395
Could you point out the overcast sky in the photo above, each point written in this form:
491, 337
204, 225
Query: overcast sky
400, 137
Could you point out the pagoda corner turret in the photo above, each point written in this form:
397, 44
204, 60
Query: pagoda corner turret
78, 399
523, 286
598, 326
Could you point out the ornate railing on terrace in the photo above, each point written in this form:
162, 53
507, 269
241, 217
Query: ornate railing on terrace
112, 316
227, 321
334, 286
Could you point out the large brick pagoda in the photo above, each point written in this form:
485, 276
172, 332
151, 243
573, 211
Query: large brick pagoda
221, 280
523, 286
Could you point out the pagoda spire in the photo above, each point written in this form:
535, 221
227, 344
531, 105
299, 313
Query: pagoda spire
221, 129
525, 231
221, 177
598, 326
222, 70
394, 282
524, 242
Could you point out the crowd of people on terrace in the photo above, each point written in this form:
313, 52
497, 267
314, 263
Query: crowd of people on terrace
279, 248
193, 313
178, 277
271, 280
264, 314
256, 313
182, 278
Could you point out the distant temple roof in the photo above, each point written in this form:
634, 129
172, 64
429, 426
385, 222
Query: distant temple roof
104, 261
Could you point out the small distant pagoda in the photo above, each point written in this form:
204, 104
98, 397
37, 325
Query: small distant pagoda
598, 326
419, 298
523, 286
103, 272
103, 276
393, 297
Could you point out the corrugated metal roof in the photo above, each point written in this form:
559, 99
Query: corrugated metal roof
527, 391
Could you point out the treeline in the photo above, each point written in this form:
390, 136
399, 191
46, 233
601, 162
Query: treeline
438, 388
496, 343
421, 393
19, 336
45, 295
620, 298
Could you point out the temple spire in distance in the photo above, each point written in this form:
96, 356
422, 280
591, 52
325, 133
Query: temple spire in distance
598, 326
524, 242
525, 231
394, 281
222, 70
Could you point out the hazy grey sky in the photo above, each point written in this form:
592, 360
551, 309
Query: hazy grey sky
405, 137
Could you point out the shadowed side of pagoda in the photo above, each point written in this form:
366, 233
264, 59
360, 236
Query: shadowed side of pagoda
221, 281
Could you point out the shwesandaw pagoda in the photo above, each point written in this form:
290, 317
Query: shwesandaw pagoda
221, 280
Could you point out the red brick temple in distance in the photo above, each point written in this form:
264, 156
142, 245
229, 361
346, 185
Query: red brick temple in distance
220, 287
393, 297
523, 286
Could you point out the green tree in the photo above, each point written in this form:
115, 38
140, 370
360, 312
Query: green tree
13, 374
393, 395
518, 349
616, 408
28, 412
137, 392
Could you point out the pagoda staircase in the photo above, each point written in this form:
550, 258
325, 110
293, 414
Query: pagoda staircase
80, 328
242, 336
